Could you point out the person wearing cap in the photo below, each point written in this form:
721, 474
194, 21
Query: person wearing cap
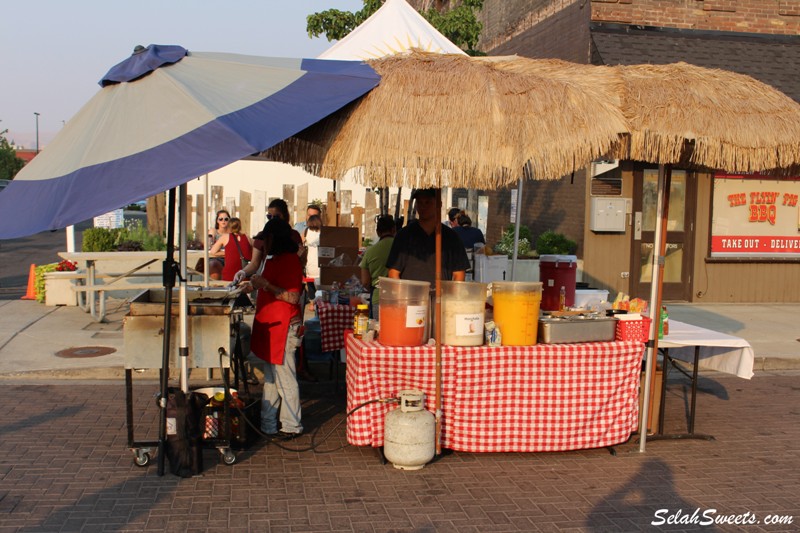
413, 252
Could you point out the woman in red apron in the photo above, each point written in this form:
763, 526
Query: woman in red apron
275, 329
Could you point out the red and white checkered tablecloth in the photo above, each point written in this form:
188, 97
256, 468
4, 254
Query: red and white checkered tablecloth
548, 397
333, 320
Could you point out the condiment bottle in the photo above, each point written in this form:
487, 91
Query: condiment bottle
361, 321
665, 319
562, 299
334, 294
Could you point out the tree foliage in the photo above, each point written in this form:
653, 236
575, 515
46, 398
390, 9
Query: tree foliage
10, 164
459, 24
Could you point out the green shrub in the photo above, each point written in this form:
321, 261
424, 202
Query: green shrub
39, 285
524, 232
135, 232
133, 237
554, 243
506, 243
100, 239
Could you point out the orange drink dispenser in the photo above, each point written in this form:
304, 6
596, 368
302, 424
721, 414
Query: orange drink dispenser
516, 311
403, 311
463, 313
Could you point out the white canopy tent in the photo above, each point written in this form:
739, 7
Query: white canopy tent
394, 28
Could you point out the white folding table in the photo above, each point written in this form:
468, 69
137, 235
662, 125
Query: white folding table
702, 348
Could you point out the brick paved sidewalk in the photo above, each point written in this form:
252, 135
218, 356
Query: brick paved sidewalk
64, 466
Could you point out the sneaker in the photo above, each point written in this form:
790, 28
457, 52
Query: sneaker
282, 436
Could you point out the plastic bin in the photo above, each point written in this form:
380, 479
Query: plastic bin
403, 311
633, 330
463, 313
516, 311
556, 271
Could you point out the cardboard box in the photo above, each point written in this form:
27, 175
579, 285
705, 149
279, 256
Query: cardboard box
655, 406
343, 255
336, 242
327, 275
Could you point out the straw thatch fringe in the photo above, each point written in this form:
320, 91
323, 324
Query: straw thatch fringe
439, 120
693, 116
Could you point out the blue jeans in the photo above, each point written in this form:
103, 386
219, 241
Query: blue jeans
281, 394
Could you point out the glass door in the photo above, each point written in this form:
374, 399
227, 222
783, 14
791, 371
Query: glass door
680, 227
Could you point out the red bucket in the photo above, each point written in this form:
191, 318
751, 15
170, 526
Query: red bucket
556, 271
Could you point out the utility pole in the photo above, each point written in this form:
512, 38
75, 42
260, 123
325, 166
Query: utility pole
37, 131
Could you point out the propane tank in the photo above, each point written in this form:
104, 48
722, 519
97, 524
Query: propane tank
409, 432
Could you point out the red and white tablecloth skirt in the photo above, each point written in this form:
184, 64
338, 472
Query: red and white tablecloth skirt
547, 397
334, 319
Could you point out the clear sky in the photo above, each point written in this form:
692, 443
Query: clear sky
53, 52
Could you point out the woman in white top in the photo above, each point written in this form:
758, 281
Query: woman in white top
311, 239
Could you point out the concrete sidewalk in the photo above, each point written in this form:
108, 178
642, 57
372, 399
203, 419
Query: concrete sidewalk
32, 335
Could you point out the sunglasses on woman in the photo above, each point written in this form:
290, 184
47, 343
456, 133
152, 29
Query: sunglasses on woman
223, 219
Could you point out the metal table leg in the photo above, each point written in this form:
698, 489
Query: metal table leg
690, 434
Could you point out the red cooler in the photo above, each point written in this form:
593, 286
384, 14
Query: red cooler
556, 271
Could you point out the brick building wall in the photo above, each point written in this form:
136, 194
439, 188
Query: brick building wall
556, 205
748, 16
561, 31
504, 20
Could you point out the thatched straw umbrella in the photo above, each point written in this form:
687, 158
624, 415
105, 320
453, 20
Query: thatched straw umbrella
449, 120
690, 116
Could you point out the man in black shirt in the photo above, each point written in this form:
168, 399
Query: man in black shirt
413, 253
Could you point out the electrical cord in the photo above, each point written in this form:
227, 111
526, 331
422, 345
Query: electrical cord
314, 445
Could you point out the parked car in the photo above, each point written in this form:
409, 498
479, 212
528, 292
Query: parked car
3, 184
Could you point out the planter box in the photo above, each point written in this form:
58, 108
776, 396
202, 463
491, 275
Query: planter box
58, 289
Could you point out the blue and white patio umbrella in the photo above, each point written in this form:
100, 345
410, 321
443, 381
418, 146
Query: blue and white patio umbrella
165, 116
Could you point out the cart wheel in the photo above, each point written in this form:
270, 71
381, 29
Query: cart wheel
228, 457
141, 458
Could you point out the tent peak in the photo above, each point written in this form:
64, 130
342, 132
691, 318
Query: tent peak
142, 62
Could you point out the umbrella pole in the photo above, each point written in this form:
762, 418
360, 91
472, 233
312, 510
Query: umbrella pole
206, 205
517, 219
183, 347
168, 275
656, 279
437, 330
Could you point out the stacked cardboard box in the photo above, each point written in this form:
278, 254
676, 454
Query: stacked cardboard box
338, 255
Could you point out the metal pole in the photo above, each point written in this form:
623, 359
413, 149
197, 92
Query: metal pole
517, 220
183, 347
37, 131
659, 246
206, 205
168, 275
438, 328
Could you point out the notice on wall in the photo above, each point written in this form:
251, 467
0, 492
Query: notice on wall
755, 216
113, 219
513, 206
